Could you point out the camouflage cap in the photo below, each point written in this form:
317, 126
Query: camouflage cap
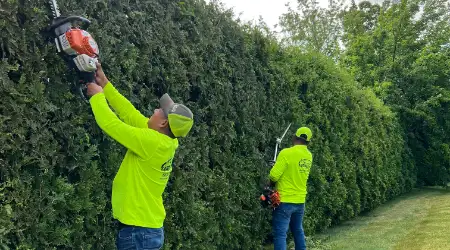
180, 117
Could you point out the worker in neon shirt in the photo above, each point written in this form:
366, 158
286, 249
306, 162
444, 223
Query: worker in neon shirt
138, 186
290, 175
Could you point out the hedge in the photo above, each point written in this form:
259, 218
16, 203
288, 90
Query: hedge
57, 166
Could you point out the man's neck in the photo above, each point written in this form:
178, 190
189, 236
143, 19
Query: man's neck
167, 132
164, 131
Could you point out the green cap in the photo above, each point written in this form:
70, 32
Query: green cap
304, 133
180, 117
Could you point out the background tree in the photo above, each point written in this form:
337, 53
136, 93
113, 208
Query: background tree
314, 28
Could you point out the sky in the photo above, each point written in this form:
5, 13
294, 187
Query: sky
270, 10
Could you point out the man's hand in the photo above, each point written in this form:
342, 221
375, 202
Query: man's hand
100, 77
93, 88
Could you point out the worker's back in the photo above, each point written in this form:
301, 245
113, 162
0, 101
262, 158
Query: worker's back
141, 180
291, 173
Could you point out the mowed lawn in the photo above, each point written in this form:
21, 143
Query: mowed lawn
418, 220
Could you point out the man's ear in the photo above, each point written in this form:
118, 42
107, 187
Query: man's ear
164, 123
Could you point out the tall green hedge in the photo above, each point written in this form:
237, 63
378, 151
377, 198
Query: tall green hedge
57, 166
360, 156
404, 56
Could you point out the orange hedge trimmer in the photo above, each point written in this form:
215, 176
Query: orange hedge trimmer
75, 45
270, 196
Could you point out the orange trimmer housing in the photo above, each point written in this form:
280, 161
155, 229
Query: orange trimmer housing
77, 41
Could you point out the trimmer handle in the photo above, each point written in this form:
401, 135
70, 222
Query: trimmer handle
66, 23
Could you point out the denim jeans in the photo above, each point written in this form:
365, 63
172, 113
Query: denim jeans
139, 238
285, 216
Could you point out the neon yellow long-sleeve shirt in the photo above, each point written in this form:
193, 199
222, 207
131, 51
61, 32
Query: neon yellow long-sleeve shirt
290, 173
143, 174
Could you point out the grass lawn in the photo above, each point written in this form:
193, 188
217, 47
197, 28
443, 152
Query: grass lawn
419, 220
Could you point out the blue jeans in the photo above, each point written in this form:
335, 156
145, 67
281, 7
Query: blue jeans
285, 216
139, 238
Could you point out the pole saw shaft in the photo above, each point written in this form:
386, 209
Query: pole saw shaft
278, 143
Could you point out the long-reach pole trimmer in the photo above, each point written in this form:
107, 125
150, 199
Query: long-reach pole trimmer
270, 196
278, 143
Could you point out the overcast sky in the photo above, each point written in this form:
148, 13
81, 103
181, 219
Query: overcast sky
270, 10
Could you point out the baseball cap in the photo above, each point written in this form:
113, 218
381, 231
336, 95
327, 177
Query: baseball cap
180, 117
304, 133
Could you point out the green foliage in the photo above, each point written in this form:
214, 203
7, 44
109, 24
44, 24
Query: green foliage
400, 50
314, 28
359, 152
57, 166
405, 59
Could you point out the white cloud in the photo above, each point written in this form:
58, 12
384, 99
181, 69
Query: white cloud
269, 10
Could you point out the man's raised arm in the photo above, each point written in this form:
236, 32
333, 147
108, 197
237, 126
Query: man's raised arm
129, 136
126, 111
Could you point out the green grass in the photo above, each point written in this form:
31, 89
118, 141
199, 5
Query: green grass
419, 220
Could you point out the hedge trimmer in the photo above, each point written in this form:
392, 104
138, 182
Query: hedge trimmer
75, 45
270, 196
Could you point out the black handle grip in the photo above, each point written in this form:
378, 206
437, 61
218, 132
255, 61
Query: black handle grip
85, 22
